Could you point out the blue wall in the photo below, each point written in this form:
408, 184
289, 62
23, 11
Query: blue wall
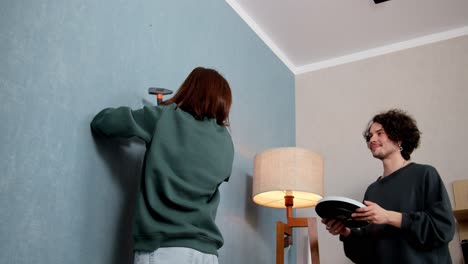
66, 197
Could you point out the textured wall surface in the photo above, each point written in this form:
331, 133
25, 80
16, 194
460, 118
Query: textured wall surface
66, 197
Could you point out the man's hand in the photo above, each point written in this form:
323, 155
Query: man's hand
375, 214
336, 227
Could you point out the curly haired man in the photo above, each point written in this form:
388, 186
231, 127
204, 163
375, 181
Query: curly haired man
407, 207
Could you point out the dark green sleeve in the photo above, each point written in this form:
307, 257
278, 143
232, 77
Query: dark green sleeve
435, 225
125, 122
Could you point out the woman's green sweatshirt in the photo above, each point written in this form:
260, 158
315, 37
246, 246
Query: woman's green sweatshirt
185, 162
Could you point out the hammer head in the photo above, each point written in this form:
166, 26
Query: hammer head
159, 92
155, 90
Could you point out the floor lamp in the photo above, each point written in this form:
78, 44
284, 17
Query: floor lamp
289, 178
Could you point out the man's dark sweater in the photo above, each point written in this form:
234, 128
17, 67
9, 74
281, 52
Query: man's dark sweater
427, 227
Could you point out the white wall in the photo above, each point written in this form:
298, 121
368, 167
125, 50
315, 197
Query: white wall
334, 105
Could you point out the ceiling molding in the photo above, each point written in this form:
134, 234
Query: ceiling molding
296, 70
382, 50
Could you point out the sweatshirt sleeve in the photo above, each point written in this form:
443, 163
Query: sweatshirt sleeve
125, 122
434, 226
357, 245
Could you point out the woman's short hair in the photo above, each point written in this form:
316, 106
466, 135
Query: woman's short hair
399, 126
204, 94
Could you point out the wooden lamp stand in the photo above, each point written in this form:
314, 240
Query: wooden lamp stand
284, 234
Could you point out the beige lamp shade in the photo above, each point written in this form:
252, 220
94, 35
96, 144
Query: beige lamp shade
288, 171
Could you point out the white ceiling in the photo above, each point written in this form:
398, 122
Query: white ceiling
312, 34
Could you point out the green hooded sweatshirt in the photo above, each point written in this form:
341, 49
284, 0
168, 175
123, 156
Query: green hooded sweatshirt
185, 162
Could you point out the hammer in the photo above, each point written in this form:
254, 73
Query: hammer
159, 92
